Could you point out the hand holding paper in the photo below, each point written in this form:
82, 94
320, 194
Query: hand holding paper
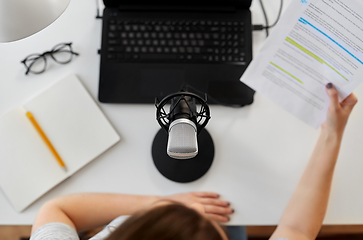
315, 42
338, 113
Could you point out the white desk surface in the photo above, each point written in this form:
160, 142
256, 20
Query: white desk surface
260, 150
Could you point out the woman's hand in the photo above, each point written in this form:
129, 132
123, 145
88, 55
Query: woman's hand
338, 113
214, 208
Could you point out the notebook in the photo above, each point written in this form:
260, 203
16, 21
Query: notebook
74, 125
154, 48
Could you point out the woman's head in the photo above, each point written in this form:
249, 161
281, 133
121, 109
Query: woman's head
169, 221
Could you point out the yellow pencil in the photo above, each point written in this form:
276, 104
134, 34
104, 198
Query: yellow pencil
46, 140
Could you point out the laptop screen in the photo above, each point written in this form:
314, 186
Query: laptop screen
237, 3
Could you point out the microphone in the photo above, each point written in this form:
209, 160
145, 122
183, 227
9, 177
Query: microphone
182, 132
183, 123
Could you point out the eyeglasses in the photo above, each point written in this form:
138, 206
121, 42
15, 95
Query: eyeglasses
37, 63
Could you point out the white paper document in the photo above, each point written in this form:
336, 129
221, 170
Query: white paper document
315, 42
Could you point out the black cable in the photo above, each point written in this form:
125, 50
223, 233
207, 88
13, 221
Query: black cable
267, 26
278, 16
265, 16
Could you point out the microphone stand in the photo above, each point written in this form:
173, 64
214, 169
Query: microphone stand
182, 170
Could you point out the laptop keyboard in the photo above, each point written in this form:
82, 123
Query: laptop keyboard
187, 41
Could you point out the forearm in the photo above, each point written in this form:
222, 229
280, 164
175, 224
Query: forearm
304, 215
89, 210
306, 209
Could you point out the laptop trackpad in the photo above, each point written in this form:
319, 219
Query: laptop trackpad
161, 81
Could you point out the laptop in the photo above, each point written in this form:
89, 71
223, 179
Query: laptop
151, 49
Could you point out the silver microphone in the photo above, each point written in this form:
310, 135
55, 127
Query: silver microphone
182, 132
187, 116
182, 140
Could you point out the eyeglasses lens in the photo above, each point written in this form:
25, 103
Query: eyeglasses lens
36, 64
62, 53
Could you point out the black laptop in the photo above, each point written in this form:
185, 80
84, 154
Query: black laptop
151, 49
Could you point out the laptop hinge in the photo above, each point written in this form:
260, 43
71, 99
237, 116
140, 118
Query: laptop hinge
178, 8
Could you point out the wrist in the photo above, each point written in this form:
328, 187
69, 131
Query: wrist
332, 135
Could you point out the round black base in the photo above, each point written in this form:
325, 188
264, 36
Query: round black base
187, 170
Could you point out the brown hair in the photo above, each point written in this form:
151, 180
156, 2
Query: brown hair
168, 222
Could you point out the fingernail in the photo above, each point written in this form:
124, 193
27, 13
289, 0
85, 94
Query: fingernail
232, 210
228, 203
329, 85
228, 218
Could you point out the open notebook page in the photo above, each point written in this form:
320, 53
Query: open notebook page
75, 126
